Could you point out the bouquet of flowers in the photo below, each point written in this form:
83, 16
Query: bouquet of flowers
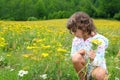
95, 43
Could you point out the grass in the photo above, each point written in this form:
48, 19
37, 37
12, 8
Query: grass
43, 47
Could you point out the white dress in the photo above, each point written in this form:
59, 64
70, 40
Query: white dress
99, 60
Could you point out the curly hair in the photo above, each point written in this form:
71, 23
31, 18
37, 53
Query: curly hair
82, 21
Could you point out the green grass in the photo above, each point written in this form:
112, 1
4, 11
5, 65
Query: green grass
40, 34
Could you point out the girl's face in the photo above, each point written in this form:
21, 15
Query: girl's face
78, 33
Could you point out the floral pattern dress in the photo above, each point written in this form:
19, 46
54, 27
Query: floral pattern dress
99, 60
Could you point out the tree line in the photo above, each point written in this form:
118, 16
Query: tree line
56, 9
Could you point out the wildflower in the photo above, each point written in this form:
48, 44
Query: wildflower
28, 47
31, 47
49, 30
44, 76
45, 47
61, 50
59, 44
2, 42
95, 43
37, 40
45, 54
27, 55
8, 55
21, 73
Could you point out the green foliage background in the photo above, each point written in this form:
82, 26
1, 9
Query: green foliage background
50, 9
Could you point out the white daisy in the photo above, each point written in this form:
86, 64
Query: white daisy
21, 73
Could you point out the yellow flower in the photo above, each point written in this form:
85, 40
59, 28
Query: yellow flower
8, 55
27, 55
2, 42
29, 47
32, 47
45, 47
61, 50
37, 40
95, 43
45, 55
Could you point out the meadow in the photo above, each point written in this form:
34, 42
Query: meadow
40, 50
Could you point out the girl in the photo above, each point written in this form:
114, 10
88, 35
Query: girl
82, 27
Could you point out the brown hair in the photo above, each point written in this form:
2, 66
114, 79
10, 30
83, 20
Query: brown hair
82, 21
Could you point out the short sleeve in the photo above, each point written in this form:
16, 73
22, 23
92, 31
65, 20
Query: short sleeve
73, 49
76, 45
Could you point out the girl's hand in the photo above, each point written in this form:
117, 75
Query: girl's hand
92, 55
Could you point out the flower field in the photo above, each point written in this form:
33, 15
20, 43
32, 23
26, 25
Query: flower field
40, 50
